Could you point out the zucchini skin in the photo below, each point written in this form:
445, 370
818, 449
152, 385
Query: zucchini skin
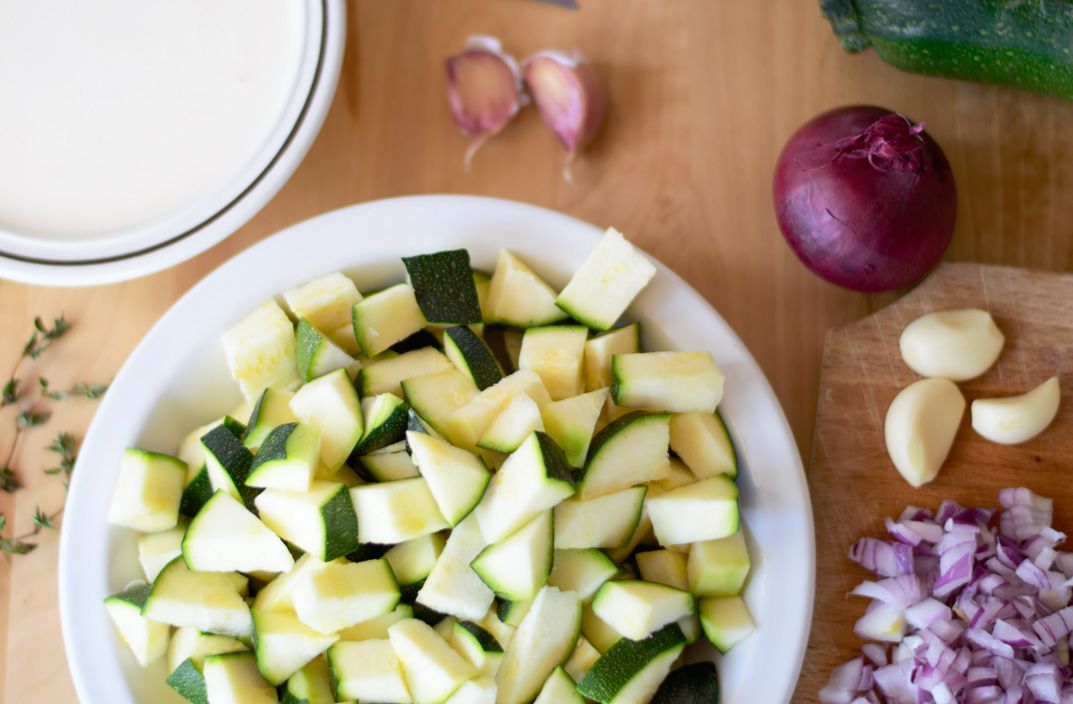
1022, 44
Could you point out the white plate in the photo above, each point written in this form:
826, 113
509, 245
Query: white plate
320, 35
177, 379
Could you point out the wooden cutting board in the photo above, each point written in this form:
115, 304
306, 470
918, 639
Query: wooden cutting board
853, 483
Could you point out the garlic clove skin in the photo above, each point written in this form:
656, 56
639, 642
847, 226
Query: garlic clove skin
484, 89
920, 427
1017, 419
571, 97
952, 344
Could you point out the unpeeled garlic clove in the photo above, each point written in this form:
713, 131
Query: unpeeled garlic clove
952, 344
484, 89
569, 94
920, 428
1016, 419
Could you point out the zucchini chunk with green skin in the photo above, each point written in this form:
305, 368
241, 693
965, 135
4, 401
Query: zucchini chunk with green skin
148, 491
535, 478
678, 477
559, 689
581, 571
518, 297
453, 587
337, 595
260, 350
316, 354
228, 463
273, 409
719, 567
544, 640
679, 382
284, 644
690, 684
597, 632
582, 659
431, 667
287, 459
472, 357
226, 537
519, 418
599, 349
208, 601
726, 621
198, 487
478, 646
665, 566
630, 672
456, 478
386, 376
158, 549
312, 684
703, 511
482, 690
368, 671
376, 628
703, 443
321, 521
436, 396
386, 418
465, 425
147, 640
394, 512
188, 682
517, 567
444, 286
571, 423
503, 633
386, 317
604, 522
330, 403
637, 609
629, 451
555, 353
412, 561
189, 643
607, 282
390, 466
512, 613
326, 303
233, 678
278, 594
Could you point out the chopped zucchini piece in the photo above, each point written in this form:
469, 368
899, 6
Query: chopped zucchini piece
456, 478
664, 567
444, 286
636, 608
321, 521
478, 646
632, 671
472, 357
386, 418
376, 628
678, 476
287, 459
582, 659
312, 684
571, 423
631, 450
394, 512
690, 684
559, 689
581, 571
517, 567
679, 382
465, 425
703, 511
187, 680
147, 640
726, 621
518, 297
555, 353
158, 549
544, 640
597, 631
273, 409
325, 302
482, 690
331, 404
209, 601
390, 466
148, 491
453, 587
368, 671
198, 488
338, 595
278, 594
226, 537
386, 317
599, 349
518, 419
316, 354
228, 462
512, 613
432, 668
503, 632
703, 443
260, 350
412, 561
190, 643
385, 376
284, 645
436, 396
233, 678
604, 522
718, 567
607, 282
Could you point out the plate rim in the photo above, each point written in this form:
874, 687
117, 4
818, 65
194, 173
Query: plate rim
792, 479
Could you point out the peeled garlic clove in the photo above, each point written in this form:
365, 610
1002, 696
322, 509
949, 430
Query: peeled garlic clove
484, 89
920, 428
569, 94
952, 344
1017, 419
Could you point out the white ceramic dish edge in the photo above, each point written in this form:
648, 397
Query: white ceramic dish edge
96, 559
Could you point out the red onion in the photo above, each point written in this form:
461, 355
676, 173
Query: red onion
989, 621
865, 198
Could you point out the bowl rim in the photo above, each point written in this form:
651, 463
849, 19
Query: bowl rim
323, 60
779, 475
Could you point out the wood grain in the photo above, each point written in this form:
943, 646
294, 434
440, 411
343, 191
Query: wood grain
704, 93
853, 483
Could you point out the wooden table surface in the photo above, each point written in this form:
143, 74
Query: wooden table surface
704, 93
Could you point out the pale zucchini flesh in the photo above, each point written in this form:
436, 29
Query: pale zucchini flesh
148, 491
260, 350
394, 512
386, 317
225, 537
571, 423
678, 382
330, 404
581, 571
284, 645
544, 640
599, 349
233, 678
432, 668
706, 510
518, 297
631, 450
518, 567
607, 521
704, 444
385, 376
368, 670
637, 608
607, 282
555, 353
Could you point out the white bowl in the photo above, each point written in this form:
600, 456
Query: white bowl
318, 30
177, 379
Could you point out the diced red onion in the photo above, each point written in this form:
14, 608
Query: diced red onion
885, 559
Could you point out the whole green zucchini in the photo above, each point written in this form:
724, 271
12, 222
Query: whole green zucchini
1024, 43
